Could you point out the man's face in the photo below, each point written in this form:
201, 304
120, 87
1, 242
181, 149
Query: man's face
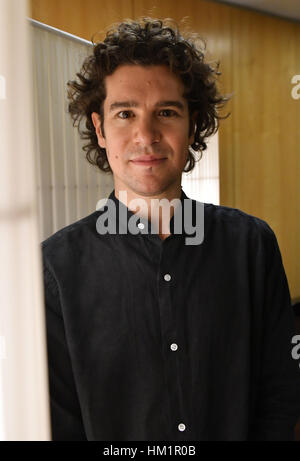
145, 115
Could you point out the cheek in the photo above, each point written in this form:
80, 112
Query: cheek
180, 145
117, 140
179, 142
179, 133
115, 151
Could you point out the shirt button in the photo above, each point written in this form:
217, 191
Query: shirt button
140, 225
167, 277
181, 427
174, 347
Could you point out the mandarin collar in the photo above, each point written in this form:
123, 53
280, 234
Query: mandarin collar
123, 215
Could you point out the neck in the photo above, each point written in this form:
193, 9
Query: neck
153, 207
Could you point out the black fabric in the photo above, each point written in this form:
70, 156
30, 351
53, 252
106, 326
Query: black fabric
112, 318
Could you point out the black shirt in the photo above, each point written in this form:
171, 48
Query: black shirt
152, 339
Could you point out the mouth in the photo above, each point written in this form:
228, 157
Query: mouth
150, 162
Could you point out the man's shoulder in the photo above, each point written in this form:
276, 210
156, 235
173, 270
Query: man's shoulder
236, 221
75, 233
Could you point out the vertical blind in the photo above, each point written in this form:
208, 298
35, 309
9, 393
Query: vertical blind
202, 183
68, 186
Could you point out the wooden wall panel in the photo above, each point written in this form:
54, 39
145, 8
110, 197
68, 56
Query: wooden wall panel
260, 141
265, 131
81, 17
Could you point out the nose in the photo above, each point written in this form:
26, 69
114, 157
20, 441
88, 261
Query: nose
146, 131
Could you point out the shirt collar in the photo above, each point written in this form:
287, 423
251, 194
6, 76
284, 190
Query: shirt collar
124, 214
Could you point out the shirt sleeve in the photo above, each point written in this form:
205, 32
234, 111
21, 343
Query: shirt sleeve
66, 420
278, 402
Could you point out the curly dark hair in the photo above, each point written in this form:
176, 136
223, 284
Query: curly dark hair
147, 42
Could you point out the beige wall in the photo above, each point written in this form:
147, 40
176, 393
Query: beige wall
260, 141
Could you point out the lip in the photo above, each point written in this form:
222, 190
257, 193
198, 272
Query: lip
148, 160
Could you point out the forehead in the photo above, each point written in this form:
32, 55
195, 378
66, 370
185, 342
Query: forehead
142, 81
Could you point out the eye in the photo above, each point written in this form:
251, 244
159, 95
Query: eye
168, 113
124, 114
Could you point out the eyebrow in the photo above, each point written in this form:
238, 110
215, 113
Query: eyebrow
120, 104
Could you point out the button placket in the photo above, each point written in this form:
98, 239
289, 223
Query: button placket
167, 285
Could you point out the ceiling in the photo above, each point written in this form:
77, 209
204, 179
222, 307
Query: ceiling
289, 9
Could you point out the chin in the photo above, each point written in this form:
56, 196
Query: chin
151, 190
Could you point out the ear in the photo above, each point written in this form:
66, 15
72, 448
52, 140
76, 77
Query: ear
193, 122
97, 124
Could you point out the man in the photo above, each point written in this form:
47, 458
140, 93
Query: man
151, 336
